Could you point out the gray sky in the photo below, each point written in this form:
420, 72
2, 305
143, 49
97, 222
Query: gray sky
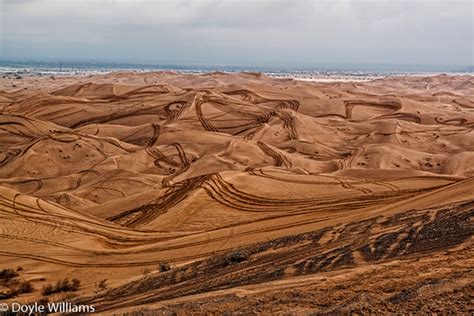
258, 32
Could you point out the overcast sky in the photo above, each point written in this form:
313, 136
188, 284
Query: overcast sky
258, 32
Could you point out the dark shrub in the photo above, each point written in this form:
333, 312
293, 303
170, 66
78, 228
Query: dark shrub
66, 286
47, 289
101, 285
25, 287
75, 285
7, 274
235, 257
162, 267
61, 286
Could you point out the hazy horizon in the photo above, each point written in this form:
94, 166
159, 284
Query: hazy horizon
281, 33
323, 67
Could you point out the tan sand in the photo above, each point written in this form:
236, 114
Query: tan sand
265, 195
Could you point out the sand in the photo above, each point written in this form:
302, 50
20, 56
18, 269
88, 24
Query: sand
263, 194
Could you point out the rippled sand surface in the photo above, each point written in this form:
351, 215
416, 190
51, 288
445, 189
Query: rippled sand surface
263, 194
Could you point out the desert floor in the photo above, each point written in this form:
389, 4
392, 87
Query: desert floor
263, 195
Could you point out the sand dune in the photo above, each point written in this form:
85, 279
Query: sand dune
263, 194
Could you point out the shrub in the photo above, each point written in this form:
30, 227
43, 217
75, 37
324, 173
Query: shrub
25, 287
162, 267
8, 274
47, 289
101, 285
235, 257
75, 285
66, 286
61, 286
